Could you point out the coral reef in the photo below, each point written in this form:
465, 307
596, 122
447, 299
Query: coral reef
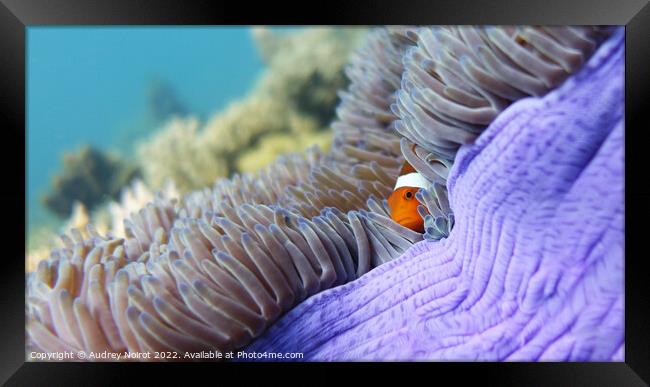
163, 101
174, 153
215, 268
306, 68
533, 269
89, 176
295, 96
279, 144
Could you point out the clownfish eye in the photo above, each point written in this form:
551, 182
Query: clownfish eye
408, 195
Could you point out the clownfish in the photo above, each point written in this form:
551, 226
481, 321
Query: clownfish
402, 202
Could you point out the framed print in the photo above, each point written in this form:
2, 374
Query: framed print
419, 183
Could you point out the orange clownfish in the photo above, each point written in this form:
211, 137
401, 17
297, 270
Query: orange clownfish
402, 202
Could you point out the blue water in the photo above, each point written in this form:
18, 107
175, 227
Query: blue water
87, 85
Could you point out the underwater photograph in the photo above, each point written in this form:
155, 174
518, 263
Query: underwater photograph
317, 193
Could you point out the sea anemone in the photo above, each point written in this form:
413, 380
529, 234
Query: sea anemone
211, 273
457, 79
294, 96
215, 268
534, 267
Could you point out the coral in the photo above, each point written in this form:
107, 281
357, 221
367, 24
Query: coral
306, 69
296, 96
175, 153
215, 268
89, 176
255, 158
533, 269
163, 101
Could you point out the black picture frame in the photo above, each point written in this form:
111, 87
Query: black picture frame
17, 15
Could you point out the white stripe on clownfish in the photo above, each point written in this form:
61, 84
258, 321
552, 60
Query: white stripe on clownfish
413, 179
